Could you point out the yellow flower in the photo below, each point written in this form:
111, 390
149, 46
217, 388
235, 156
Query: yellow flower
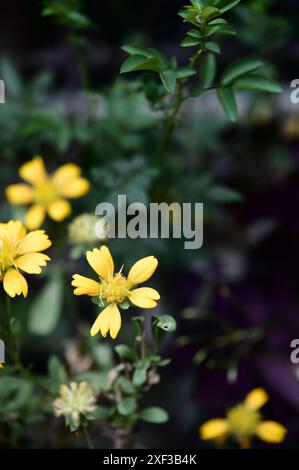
243, 422
1, 366
75, 400
114, 288
47, 193
20, 251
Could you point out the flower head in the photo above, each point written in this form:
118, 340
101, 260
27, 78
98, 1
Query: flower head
47, 193
114, 289
20, 251
75, 400
244, 422
83, 229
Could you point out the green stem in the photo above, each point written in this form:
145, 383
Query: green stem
88, 438
170, 122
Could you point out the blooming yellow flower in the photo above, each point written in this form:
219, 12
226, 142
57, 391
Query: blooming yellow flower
20, 251
47, 193
75, 400
1, 366
114, 288
243, 422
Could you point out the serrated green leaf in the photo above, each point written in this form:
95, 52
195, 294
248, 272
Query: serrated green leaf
227, 100
239, 68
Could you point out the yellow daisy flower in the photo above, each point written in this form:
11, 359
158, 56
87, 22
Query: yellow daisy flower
114, 288
244, 422
20, 251
47, 193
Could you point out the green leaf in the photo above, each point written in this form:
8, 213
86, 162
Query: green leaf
127, 406
218, 21
139, 62
137, 50
225, 5
153, 414
126, 385
213, 47
125, 305
224, 194
189, 41
46, 307
139, 377
57, 372
185, 72
253, 82
227, 100
102, 413
208, 70
194, 33
166, 323
97, 380
125, 352
168, 78
210, 12
238, 68
226, 30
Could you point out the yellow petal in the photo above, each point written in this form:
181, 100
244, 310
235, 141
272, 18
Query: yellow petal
33, 171
19, 193
143, 270
144, 297
214, 429
108, 320
32, 262
35, 217
256, 398
14, 231
66, 173
271, 431
85, 286
101, 261
59, 209
75, 188
14, 283
34, 242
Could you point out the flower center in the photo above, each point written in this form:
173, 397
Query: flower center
115, 289
8, 252
45, 192
243, 421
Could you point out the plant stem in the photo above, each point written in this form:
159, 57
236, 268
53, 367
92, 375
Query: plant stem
170, 121
88, 438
